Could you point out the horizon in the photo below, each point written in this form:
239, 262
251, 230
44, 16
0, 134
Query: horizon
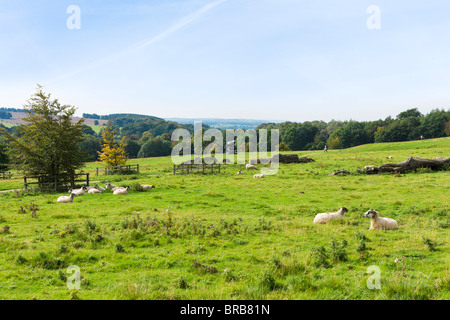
228, 59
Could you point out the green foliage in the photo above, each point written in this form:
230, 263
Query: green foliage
156, 147
49, 142
91, 147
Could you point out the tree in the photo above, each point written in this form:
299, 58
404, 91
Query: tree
90, 147
48, 144
113, 153
410, 113
4, 159
156, 147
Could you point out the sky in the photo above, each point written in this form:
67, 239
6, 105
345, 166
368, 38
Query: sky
292, 60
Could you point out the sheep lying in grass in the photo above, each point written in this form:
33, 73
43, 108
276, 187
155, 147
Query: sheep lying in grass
111, 186
325, 217
94, 190
121, 190
99, 188
380, 223
250, 166
66, 199
147, 186
79, 191
260, 175
240, 172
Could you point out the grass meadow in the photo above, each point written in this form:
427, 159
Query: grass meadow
228, 236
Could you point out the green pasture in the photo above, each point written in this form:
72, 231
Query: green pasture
229, 236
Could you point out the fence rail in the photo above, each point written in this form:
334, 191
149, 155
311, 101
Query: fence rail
195, 168
126, 168
5, 175
45, 182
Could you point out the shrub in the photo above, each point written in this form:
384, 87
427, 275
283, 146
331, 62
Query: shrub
430, 243
20, 259
119, 248
182, 283
338, 251
320, 256
62, 248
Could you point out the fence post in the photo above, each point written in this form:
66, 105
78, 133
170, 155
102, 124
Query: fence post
87, 179
25, 183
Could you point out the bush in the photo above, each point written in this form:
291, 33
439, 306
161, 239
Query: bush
119, 248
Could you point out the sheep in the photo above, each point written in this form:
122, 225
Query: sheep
66, 199
250, 166
99, 188
240, 172
110, 186
78, 192
325, 217
260, 175
94, 190
122, 190
380, 223
147, 186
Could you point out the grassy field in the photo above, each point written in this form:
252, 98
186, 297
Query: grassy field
226, 236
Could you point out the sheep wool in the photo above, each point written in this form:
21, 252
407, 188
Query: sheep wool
323, 218
121, 190
250, 166
66, 199
380, 223
259, 175
94, 190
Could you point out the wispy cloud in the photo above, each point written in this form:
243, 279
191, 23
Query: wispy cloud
144, 43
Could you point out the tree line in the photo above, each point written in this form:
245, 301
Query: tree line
406, 126
50, 141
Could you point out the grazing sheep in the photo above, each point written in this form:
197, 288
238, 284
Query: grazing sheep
325, 217
147, 186
240, 172
66, 199
122, 190
250, 166
380, 223
260, 175
99, 188
94, 190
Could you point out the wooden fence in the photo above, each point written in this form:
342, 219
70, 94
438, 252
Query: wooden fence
131, 168
5, 175
47, 183
188, 168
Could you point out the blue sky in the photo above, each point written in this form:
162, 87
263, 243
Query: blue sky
257, 59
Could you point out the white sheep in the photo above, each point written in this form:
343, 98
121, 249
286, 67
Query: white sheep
250, 166
99, 188
121, 190
327, 216
66, 199
79, 191
240, 172
111, 186
260, 175
380, 223
147, 186
94, 190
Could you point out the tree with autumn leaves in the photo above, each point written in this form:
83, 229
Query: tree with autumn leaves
113, 153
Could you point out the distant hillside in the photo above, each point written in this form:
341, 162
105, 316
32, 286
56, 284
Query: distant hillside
225, 123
